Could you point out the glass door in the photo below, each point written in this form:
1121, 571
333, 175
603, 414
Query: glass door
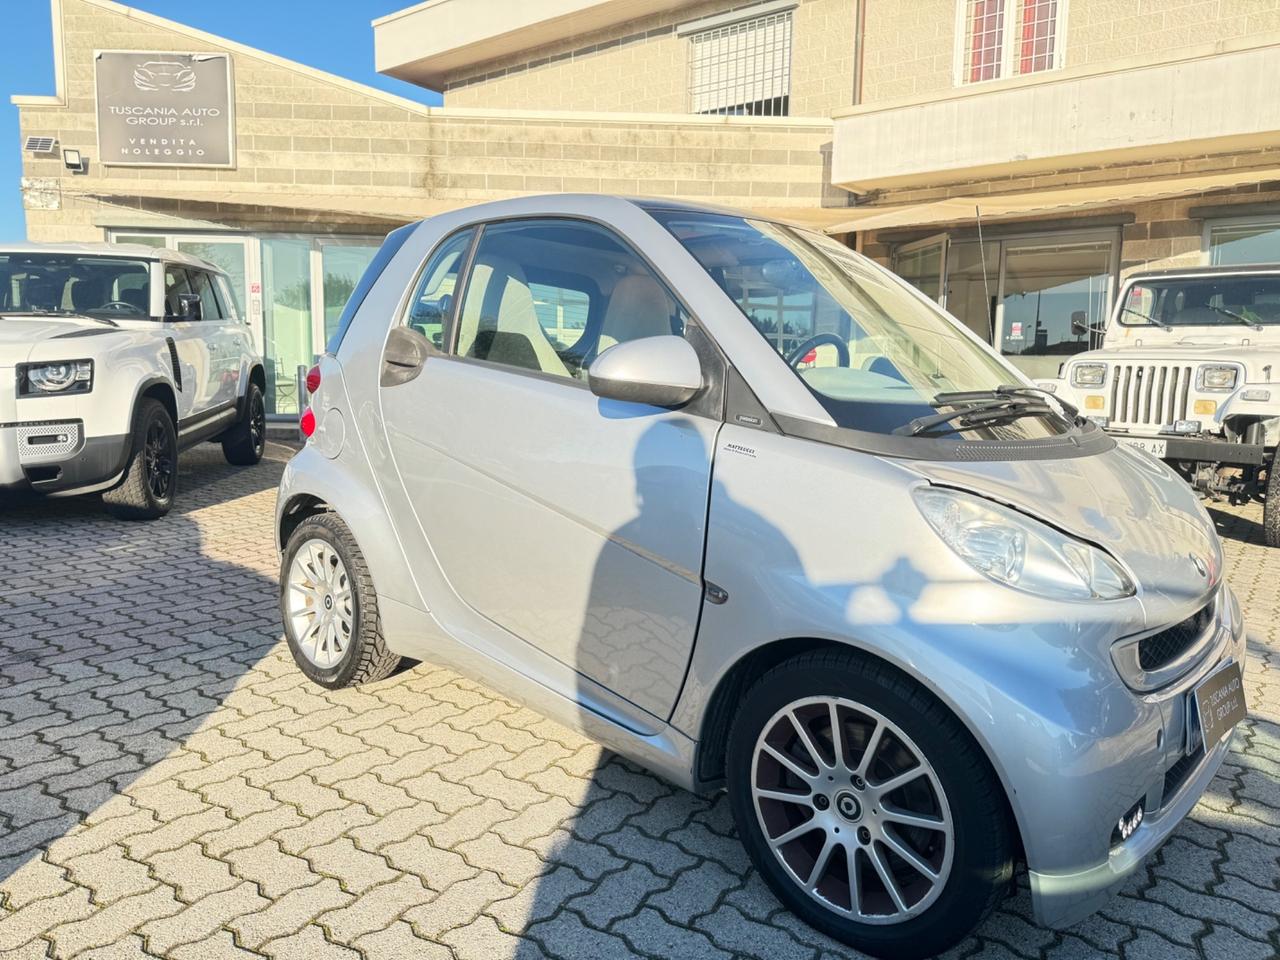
1053, 302
342, 264
923, 264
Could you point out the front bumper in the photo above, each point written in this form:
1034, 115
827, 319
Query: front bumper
1207, 449
55, 456
1169, 791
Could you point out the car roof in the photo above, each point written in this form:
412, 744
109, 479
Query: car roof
136, 250
1248, 269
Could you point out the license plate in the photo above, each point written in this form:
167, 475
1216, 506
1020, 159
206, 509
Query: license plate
1156, 446
1219, 703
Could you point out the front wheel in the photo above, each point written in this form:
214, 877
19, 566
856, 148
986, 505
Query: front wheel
866, 806
150, 479
1271, 505
329, 606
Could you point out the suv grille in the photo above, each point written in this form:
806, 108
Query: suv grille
1150, 394
1166, 646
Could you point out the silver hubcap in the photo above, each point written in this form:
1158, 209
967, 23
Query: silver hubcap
852, 809
321, 611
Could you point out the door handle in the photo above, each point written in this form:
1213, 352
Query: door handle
402, 358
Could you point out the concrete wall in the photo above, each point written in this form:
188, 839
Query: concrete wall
303, 133
643, 66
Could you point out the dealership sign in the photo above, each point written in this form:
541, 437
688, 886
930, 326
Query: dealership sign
165, 109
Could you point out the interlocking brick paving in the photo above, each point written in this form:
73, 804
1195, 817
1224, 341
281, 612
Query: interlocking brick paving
171, 786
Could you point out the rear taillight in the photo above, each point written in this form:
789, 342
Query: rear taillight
313, 379
307, 424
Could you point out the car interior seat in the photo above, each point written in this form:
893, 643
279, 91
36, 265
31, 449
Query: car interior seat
639, 307
500, 325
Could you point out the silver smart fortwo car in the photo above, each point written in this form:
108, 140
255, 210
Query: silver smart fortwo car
749, 510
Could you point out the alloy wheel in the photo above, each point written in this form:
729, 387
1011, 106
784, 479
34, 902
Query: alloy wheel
852, 810
320, 603
257, 424
158, 457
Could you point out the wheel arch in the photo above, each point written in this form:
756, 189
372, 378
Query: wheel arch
295, 511
162, 390
717, 718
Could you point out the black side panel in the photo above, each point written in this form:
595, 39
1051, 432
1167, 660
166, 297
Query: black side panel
177, 367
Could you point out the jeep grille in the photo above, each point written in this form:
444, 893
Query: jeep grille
1150, 394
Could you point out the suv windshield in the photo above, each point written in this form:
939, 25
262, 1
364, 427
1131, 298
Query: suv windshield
877, 357
108, 288
1222, 301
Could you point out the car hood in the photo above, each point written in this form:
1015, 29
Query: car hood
18, 334
1122, 500
1189, 348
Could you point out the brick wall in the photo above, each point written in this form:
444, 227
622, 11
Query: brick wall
303, 133
643, 66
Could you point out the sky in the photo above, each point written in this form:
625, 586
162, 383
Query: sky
343, 45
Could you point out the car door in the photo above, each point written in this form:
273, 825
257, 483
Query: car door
573, 523
188, 337
220, 337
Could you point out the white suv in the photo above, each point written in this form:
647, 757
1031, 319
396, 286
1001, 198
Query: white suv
1189, 371
114, 357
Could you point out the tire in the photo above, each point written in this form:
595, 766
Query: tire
244, 444
329, 607
1271, 505
150, 480
973, 866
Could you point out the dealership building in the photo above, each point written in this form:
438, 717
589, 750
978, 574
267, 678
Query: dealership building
1012, 158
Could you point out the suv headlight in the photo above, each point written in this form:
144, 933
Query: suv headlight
1211, 377
1011, 548
64, 376
1088, 374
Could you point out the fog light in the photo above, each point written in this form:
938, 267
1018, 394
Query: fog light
1128, 824
1094, 402
1261, 395
1209, 407
1187, 426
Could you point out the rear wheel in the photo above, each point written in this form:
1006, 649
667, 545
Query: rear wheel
866, 806
245, 443
329, 606
1271, 506
151, 478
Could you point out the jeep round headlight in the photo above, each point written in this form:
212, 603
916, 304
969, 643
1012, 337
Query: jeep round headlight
1011, 548
65, 376
1088, 374
1212, 377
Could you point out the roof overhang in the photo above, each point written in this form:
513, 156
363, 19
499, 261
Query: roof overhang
426, 43
1036, 203
1218, 99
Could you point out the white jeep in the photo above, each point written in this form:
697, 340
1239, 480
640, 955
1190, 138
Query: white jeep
113, 358
1189, 370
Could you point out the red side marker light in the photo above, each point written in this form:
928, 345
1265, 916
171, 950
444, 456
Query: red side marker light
313, 379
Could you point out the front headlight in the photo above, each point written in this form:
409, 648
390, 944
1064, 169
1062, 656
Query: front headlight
65, 376
1011, 548
1088, 374
1210, 377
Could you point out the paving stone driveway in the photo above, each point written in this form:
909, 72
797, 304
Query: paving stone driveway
171, 786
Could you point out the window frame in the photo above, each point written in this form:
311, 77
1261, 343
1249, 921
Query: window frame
1210, 224
1008, 44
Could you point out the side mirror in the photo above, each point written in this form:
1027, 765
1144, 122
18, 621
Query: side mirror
1079, 322
659, 371
189, 307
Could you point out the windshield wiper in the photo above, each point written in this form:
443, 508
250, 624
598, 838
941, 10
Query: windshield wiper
991, 410
1239, 317
1147, 317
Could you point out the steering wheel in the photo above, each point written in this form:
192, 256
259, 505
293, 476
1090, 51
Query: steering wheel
120, 306
842, 348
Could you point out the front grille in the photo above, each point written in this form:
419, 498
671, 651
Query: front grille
1177, 775
1150, 394
1161, 649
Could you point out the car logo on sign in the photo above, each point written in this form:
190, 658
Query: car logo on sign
164, 75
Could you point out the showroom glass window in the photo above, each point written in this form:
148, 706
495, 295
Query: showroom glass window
742, 67
1244, 242
1008, 38
550, 295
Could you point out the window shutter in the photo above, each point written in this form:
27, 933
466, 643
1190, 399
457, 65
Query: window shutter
743, 67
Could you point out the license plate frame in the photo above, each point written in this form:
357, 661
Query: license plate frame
1220, 698
1158, 447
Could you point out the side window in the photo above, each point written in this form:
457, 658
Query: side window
432, 302
227, 297
175, 284
202, 284
551, 295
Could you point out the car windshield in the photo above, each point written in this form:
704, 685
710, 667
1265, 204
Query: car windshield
110, 288
1223, 301
875, 355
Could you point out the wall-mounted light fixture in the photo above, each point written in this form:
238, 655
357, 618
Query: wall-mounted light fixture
73, 161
